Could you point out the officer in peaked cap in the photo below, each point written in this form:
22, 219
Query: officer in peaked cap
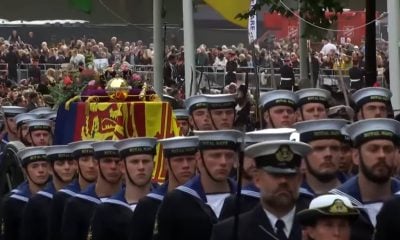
80, 208
9, 112
36, 168
82, 152
182, 119
199, 117
375, 143
250, 194
279, 108
37, 212
372, 102
312, 104
328, 216
179, 156
39, 132
112, 217
279, 178
22, 126
222, 110
195, 206
325, 138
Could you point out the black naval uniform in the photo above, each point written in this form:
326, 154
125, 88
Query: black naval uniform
184, 213
36, 214
388, 220
111, 218
249, 198
57, 208
255, 225
78, 213
144, 216
12, 213
362, 228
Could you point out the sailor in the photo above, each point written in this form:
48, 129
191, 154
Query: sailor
82, 152
222, 110
313, 104
372, 102
328, 217
375, 143
182, 119
9, 113
112, 217
40, 132
279, 178
199, 117
37, 212
79, 209
22, 126
322, 163
194, 207
180, 162
279, 108
250, 194
36, 168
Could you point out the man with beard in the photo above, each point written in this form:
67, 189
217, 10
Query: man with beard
180, 162
222, 110
375, 143
372, 102
79, 209
199, 117
250, 194
278, 177
82, 152
313, 104
182, 119
190, 210
22, 126
36, 214
39, 132
321, 164
279, 108
111, 218
36, 168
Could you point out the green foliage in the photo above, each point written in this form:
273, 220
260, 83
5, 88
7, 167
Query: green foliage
311, 10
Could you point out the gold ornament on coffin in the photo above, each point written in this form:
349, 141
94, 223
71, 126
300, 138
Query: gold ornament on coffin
117, 89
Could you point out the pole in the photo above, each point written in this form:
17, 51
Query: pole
158, 48
370, 44
188, 39
394, 51
304, 81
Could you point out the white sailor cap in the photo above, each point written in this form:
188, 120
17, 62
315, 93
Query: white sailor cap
179, 146
12, 111
278, 98
313, 95
51, 116
22, 118
196, 102
376, 128
278, 157
371, 94
39, 124
42, 112
105, 149
220, 101
181, 114
270, 134
32, 154
320, 129
329, 205
341, 111
138, 145
82, 148
220, 139
58, 153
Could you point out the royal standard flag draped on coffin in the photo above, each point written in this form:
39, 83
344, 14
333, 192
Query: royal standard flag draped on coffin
117, 120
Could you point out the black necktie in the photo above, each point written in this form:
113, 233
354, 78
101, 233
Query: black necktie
280, 233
